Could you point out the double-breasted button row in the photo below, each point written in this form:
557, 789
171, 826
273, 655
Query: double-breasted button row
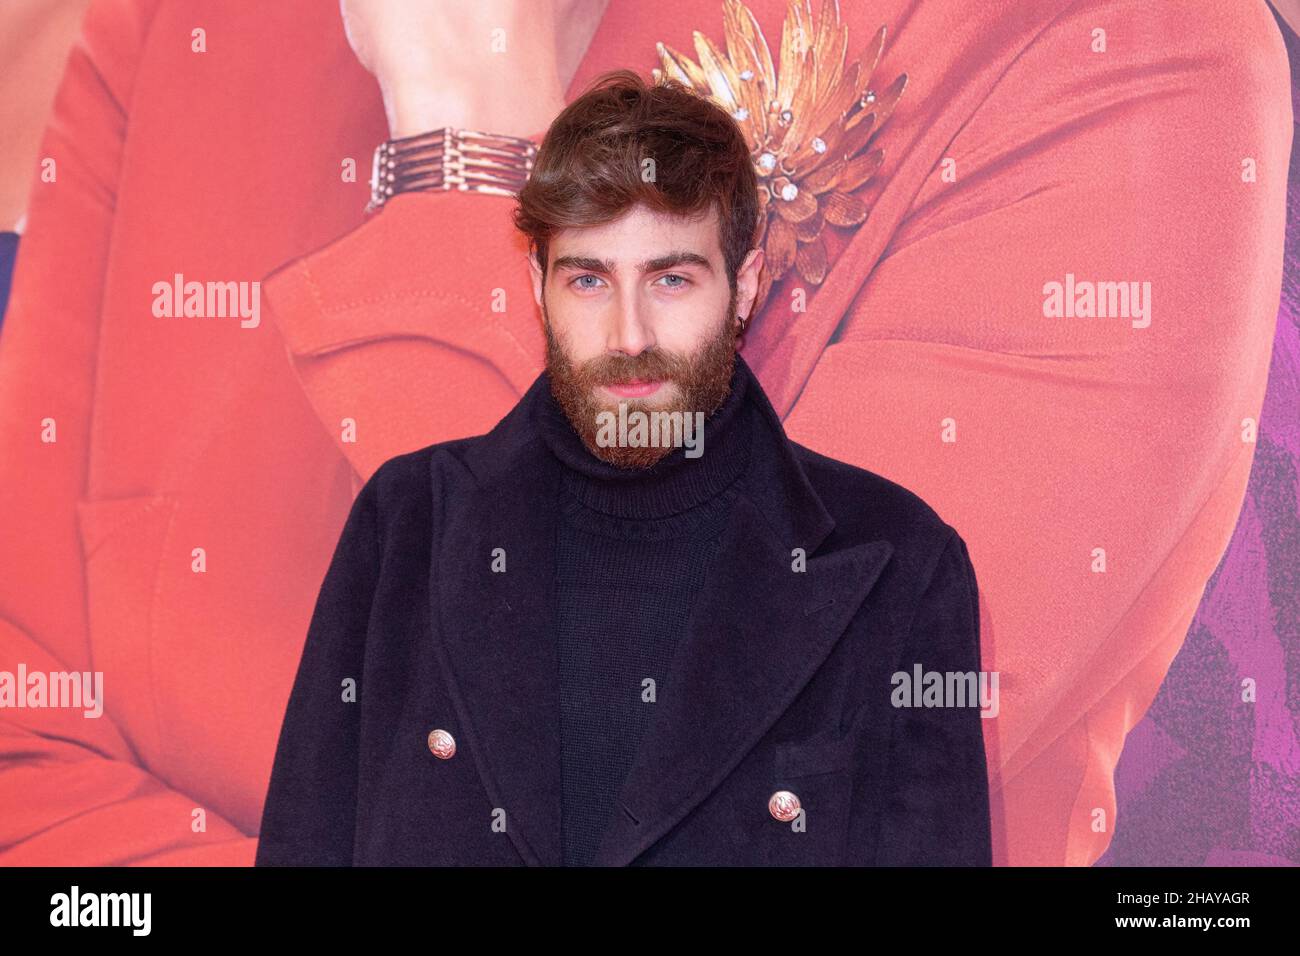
783, 805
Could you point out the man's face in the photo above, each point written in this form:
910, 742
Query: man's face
639, 311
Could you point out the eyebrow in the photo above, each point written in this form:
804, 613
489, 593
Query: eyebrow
606, 266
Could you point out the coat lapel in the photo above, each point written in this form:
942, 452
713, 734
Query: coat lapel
754, 643
756, 636
495, 630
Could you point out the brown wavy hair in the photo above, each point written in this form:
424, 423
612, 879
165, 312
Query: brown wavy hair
588, 168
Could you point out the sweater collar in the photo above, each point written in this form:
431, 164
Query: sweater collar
673, 484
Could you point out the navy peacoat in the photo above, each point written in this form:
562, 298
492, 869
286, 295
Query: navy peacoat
830, 585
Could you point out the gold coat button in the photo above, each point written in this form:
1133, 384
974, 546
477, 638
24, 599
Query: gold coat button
783, 805
442, 744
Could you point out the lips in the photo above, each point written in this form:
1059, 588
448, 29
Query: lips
636, 388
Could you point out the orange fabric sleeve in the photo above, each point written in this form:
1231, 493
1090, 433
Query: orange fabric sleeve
71, 786
1161, 160
446, 271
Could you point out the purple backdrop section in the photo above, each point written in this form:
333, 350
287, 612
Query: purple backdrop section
1205, 778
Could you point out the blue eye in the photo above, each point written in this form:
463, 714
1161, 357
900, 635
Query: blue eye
676, 285
579, 279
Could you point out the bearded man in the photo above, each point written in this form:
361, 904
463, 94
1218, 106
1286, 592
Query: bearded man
540, 646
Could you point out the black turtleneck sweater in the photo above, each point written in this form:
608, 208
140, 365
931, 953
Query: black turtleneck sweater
631, 553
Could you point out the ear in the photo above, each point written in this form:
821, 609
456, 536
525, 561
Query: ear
747, 282
536, 270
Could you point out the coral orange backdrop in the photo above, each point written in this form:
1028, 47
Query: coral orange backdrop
172, 485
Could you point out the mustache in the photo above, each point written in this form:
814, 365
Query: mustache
621, 370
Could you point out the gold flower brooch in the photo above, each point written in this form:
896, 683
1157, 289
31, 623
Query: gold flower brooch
809, 126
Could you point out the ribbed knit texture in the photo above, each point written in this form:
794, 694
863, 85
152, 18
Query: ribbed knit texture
633, 548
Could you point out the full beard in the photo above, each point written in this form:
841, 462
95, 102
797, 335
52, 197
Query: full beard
700, 382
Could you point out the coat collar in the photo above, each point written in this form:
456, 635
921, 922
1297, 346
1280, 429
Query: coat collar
758, 633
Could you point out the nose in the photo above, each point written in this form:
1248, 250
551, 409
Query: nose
629, 330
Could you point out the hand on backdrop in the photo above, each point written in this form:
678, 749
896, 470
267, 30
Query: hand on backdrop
501, 66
